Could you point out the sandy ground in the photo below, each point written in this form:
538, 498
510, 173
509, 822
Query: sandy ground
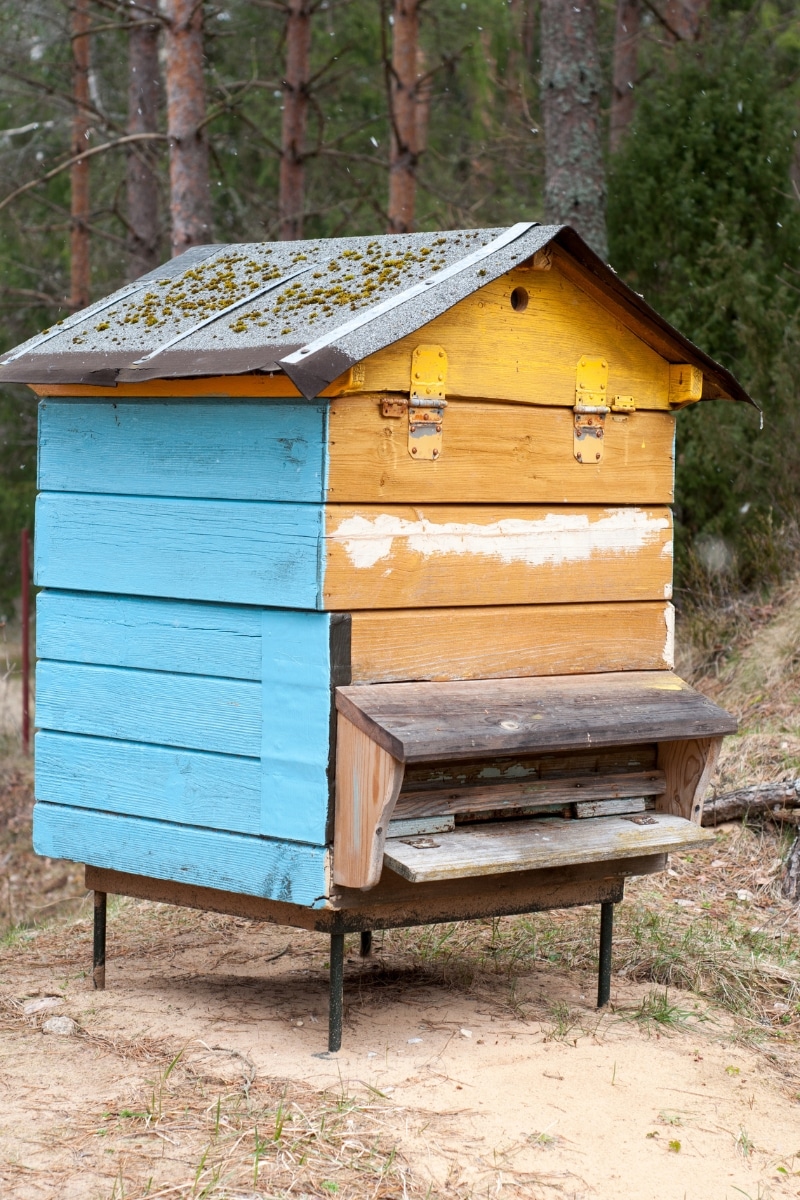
487, 1086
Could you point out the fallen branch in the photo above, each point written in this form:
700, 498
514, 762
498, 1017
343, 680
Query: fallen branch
764, 798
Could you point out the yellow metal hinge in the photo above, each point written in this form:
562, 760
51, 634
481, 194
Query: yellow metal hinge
426, 402
591, 407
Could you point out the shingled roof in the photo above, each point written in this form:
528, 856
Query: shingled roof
309, 308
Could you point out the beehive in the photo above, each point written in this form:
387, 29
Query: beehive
290, 487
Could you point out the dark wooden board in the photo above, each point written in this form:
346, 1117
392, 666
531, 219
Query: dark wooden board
430, 722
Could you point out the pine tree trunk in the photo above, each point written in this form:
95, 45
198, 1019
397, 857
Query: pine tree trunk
403, 115
575, 188
684, 18
190, 195
291, 199
142, 182
80, 267
626, 46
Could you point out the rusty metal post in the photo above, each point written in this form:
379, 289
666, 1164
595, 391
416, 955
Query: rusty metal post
25, 576
99, 947
366, 943
606, 939
336, 993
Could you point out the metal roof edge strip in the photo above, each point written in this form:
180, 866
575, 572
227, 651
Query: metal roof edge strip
267, 287
371, 314
76, 319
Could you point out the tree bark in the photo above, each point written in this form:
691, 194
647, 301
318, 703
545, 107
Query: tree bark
790, 885
575, 187
291, 199
190, 194
142, 182
80, 266
763, 798
684, 18
404, 150
626, 46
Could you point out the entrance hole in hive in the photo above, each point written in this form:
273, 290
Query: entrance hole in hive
519, 299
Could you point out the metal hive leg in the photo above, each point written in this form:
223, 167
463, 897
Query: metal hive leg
606, 939
99, 945
336, 992
366, 943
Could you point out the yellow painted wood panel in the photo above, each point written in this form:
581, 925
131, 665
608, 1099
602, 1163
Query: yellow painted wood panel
522, 640
498, 453
434, 556
499, 353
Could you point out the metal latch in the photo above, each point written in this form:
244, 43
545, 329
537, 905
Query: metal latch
591, 407
426, 402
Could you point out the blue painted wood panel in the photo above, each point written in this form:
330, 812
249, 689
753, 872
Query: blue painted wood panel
259, 450
193, 711
159, 635
231, 551
210, 858
296, 724
189, 787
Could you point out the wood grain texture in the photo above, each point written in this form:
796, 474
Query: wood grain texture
234, 451
492, 771
450, 555
534, 793
275, 870
233, 551
395, 901
688, 767
498, 353
497, 453
187, 787
367, 784
163, 635
500, 847
192, 711
512, 641
431, 722
297, 725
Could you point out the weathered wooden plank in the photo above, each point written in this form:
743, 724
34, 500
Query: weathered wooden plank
497, 453
496, 848
492, 771
513, 641
395, 901
419, 722
416, 826
298, 720
529, 356
465, 555
234, 551
188, 787
191, 711
367, 783
233, 451
610, 808
231, 862
532, 793
163, 635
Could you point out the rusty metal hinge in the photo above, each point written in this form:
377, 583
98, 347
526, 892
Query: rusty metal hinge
591, 407
425, 404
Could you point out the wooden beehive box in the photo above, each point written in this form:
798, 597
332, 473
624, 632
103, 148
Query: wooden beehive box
270, 471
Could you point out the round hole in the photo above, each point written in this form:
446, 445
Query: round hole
519, 299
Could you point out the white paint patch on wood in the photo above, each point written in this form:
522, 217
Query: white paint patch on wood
554, 539
669, 641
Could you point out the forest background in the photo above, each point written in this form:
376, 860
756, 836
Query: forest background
308, 126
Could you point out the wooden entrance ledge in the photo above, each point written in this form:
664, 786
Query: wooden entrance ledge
384, 727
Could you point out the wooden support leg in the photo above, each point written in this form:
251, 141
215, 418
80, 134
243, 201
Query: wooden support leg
336, 993
606, 938
99, 947
366, 943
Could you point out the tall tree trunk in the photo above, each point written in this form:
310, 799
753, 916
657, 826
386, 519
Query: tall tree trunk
575, 187
291, 199
190, 194
684, 18
142, 182
80, 268
626, 47
403, 115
